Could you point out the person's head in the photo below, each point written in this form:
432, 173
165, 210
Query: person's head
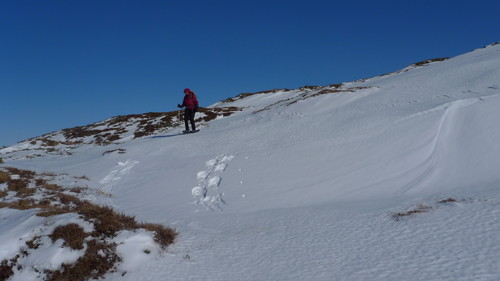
187, 91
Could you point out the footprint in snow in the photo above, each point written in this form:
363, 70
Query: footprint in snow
208, 192
120, 170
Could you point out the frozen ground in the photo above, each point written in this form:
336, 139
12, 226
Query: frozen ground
314, 183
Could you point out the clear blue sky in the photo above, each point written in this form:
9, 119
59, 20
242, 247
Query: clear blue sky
67, 63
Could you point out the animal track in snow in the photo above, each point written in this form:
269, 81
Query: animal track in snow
208, 192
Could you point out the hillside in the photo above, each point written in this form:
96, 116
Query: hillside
393, 177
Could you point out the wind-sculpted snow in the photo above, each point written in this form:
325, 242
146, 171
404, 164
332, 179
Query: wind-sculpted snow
395, 177
208, 192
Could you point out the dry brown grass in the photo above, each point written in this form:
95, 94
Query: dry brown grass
426, 62
106, 221
4, 177
34, 243
245, 95
421, 208
24, 174
153, 122
6, 270
448, 200
17, 184
49, 142
164, 236
118, 150
25, 192
99, 259
72, 234
213, 113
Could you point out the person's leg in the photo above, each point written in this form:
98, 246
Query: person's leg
186, 119
193, 126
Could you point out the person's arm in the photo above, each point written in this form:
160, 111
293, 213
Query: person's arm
183, 103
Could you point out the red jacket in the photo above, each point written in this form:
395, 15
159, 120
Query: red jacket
190, 101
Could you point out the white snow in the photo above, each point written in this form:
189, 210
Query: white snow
303, 186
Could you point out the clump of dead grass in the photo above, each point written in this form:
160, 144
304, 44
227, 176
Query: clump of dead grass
6, 269
164, 236
448, 200
100, 258
213, 113
34, 243
426, 62
421, 208
118, 150
4, 177
72, 234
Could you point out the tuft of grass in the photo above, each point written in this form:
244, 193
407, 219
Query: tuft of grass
72, 234
16, 185
99, 258
426, 62
4, 177
6, 270
106, 221
49, 142
34, 243
119, 150
68, 200
164, 236
448, 200
421, 208
25, 192
1, 160
213, 113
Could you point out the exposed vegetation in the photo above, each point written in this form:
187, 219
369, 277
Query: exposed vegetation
448, 200
426, 62
99, 259
422, 208
153, 122
311, 92
113, 130
100, 254
245, 95
72, 234
213, 113
118, 150
6, 269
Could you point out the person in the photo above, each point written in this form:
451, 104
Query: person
191, 103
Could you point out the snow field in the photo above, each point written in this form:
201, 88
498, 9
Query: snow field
309, 190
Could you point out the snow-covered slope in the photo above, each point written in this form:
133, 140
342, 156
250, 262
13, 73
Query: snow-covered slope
394, 177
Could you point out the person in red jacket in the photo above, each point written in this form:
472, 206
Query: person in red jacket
191, 103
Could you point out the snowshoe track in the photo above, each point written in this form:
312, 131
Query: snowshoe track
208, 192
